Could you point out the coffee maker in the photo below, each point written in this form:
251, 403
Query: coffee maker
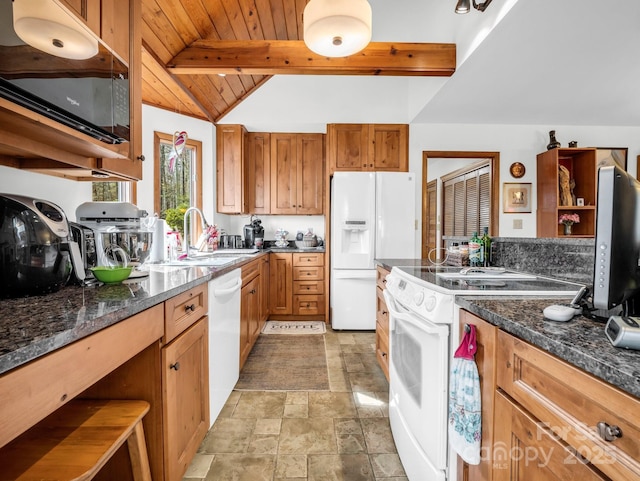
252, 232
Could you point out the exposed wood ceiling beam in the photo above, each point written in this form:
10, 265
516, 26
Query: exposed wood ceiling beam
272, 57
160, 70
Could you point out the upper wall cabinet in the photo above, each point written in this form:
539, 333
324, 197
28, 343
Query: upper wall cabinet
258, 172
567, 177
33, 141
368, 147
231, 145
297, 173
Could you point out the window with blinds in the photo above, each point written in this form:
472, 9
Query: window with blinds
467, 202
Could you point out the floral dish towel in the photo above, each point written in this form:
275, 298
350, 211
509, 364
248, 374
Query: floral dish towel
465, 416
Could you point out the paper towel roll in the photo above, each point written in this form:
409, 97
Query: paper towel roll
159, 242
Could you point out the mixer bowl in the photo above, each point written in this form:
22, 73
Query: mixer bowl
136, 244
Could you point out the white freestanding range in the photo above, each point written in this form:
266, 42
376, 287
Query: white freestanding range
423, 335
372, 216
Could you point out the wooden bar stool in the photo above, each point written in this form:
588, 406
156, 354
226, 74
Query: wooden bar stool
76, 441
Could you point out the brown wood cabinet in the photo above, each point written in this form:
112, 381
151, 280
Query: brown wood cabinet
485, 358
368, 147
33, 142
281, 284
253, 305
382, 321
258, 172
297, 287
581, 166
297, 173
231, 144
86, 10
185, 378
570, 407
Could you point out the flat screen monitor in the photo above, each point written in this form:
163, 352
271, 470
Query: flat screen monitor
616, 277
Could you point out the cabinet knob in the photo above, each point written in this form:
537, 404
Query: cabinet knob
175, 366
140, 158
384, 313
190, 307
252, 291
607, 432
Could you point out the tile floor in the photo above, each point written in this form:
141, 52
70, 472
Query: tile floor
337, 435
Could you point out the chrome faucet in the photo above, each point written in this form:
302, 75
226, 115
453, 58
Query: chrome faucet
187, 234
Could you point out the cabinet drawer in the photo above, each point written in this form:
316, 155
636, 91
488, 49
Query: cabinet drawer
381, 277
249, 271
382, 349
183, 310
572, 403
308, 287
306, 273
315, 259
308, 305
382, 313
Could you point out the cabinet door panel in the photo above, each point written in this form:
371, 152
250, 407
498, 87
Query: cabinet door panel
230, 148
259, 172
88, 11
310, 174
114, 26
349, 147
526, 450
283, 174
388, 147
281, 284
186, 380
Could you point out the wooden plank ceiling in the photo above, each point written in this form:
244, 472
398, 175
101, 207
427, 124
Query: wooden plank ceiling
176, 76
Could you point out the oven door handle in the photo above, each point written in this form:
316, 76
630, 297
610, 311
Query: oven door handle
399, 312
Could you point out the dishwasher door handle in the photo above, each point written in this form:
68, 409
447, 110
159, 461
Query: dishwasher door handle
221, 292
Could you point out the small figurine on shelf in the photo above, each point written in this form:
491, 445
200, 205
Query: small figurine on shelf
553, 143
568, 220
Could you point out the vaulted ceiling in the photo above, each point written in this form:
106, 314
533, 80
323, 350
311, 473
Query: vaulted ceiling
544, 62
194, 49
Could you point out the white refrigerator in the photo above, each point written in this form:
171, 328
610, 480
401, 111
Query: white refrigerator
372, 217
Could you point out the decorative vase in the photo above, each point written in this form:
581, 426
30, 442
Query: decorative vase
553, 143
567, 228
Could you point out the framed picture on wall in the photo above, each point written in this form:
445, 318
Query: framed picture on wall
516, 197
611, 156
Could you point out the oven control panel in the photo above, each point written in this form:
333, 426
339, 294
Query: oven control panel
432, 305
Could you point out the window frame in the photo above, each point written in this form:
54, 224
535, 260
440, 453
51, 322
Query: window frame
196, 180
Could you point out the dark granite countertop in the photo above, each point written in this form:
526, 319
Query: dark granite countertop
31, 327
580, 341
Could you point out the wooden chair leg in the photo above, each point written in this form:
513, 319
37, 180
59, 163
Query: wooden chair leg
138, 454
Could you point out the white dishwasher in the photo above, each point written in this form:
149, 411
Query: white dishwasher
224, 339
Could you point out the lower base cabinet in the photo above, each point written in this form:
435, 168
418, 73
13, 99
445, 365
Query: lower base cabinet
185, 376
253, 304
485, 358
544, 419
382, 322
297, 286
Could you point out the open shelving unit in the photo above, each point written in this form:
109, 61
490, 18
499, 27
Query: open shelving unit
582, 167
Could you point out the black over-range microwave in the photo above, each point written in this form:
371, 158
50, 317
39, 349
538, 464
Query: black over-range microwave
91, 96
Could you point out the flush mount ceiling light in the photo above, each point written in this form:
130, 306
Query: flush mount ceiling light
463, 6
337, 28
45, 26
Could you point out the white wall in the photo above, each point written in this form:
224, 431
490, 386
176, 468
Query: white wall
154, 119
515, 143
68, 194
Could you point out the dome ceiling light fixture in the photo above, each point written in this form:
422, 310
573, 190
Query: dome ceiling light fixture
463, 6
45, 26
337, 28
